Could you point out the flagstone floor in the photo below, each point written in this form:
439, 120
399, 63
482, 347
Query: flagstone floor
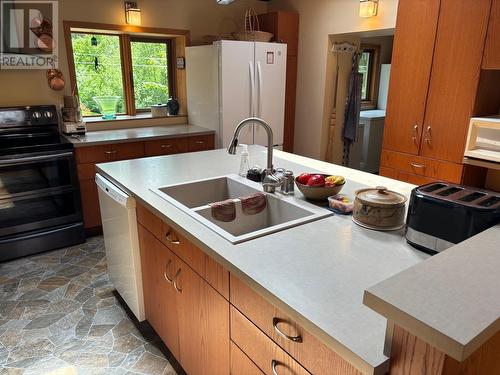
59, 314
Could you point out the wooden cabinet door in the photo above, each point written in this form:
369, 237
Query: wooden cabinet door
90, 204
411, 67
160, 297
454, 79
203, 324
491, 59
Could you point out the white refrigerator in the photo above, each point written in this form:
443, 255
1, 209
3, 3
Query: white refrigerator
232, 80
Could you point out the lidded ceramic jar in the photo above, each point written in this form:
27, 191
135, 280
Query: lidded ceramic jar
379, 208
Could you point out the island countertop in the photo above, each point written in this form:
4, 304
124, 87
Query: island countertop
316, 272
451, 301
101, 137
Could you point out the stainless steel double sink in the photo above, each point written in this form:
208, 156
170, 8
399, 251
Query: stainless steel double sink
281, 212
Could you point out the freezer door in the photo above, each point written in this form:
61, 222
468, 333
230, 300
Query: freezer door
270, 63
202, 75
237, 88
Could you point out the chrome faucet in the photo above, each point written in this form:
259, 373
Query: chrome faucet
270, 181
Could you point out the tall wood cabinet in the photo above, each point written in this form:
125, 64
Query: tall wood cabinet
285, 28
437, 56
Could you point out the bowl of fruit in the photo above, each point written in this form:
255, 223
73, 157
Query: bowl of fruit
318, 187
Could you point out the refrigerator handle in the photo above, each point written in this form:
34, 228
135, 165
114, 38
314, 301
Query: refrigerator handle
259, 97
252, 89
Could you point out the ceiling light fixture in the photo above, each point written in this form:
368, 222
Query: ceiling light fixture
224, 2
368, 8
132, 13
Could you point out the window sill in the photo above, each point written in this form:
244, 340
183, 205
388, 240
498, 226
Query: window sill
139, 116
96, 123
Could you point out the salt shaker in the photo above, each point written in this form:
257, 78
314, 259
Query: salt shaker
288, 183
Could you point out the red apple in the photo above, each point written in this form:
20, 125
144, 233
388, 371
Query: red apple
316, 180
303, 178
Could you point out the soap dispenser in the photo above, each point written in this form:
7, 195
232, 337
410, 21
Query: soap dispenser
245, 161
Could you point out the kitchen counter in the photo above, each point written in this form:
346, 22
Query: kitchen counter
316, 272
136, 134
451, 301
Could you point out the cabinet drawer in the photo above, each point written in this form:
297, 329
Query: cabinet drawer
241, 364
417, 165
166, 146
406, 177
111, 152
211, 271
268, 356
305, 348
201, 143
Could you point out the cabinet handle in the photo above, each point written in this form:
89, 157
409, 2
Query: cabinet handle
199, 142
428, 136
165, 274
277, 321
414, 133
274, 365
175, 280
111, 152
166, 146
416, 165
169, 238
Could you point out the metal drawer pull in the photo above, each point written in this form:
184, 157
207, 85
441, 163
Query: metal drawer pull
175, 281
277, 321
169, 238
112, 152
274, 365
416, 165
199, 142
169, 279
166, 146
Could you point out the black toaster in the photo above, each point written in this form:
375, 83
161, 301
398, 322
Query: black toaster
441, 215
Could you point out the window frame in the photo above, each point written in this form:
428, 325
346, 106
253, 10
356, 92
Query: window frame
373, 76
177, 39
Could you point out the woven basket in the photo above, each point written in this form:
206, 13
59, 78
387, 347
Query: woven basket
252, 31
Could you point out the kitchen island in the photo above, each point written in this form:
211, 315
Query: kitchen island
315, 273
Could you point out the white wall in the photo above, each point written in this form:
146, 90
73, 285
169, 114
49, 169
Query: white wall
201, 17
318, 20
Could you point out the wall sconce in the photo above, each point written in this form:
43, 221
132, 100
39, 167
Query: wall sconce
368, 8
132, 13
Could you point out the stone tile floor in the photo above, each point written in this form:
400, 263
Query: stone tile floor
59, 314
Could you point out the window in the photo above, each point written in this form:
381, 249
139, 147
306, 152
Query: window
137, 68
152, 78
369, 67
98, 68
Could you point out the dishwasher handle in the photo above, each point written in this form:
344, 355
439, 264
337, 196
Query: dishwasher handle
114, 192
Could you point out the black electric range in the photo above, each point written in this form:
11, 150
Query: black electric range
40, 206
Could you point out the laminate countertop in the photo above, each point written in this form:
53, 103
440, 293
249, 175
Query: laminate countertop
316, 272
452, 300
101, 137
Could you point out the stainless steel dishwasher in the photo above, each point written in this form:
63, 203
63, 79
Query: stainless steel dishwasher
119, 225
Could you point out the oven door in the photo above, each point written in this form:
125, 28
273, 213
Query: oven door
33, 174
37, 192
38, 211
